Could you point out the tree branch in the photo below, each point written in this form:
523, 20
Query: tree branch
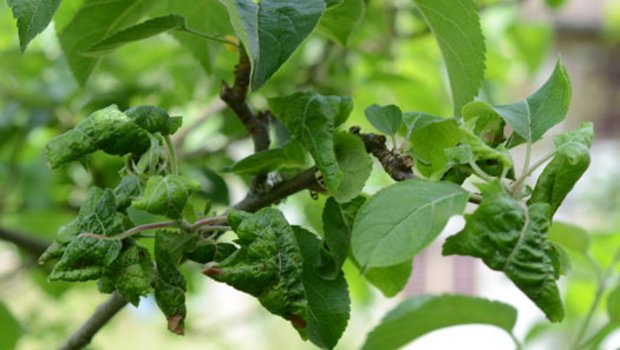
23, 241
102, 315
398, 166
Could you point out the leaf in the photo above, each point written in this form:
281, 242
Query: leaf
416, 317
570, 237
11, 329
154, 119
32, 16
562, 173
402, 219
337, 225
430, 136
386, 119
340, 22
170, 285
390, 280
94, 21
107, 129
456, 26
613, 305
166, 195
144, 30
268, 265
354, 162
487, 124
126, 191
271, 30
131, 273
291, 155
512, 239
484, 152
310, 118
328, 300
532, 117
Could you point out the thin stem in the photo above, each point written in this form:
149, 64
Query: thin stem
132, 231
479, 172
517, 185
209, 221
602, 285
216, 228
207, 36
174, 163
25, 242
518, 344
596, 339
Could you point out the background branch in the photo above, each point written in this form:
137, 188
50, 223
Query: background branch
25, 242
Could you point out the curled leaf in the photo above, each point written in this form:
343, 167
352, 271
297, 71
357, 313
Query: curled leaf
167, 195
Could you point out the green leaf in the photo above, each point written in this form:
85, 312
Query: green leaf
354, 162
131, 273
337, 225
166, 195
400, 220
570, 237
271, 30
429, 137
126, 191
137, 32
94, 21
613, 305
32, 16
154, 119
290, 155
456, 26
340, 22
487, 124
416, 317
532, 117
386, 119
11, 329
562, 173
390, 280
170, 285
107, 129
311, 119
484, 152
512, 239
268, 265
328, 300
559, 259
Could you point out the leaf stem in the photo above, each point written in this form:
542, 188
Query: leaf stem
518, 344
479, 172
174, 163
210, 221
207, 36
526, 173
602, 285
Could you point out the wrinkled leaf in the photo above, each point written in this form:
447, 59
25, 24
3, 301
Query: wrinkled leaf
126, 191
416, 317
562, 173
386, 119
144, 30
340, 22
32, 16
167, 195
532, 117
456, 26
402, 219
354, 162
271, 30
310, 118
170, 285
512, 239
131, 273
107, 129
328, 300
92, 23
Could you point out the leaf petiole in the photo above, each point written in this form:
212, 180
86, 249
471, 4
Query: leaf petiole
207, 36
516, 187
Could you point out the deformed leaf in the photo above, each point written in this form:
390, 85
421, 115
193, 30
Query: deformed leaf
402, 219
340, 21
144, 30
154, 119
328, 300
456, 26
107, 129
126, 190
386, 119
170, 285
166, 195
32, 16
562, 173
355, 164
416, 317
271, 30
311, 119
131, 273
268, 265
512, 238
